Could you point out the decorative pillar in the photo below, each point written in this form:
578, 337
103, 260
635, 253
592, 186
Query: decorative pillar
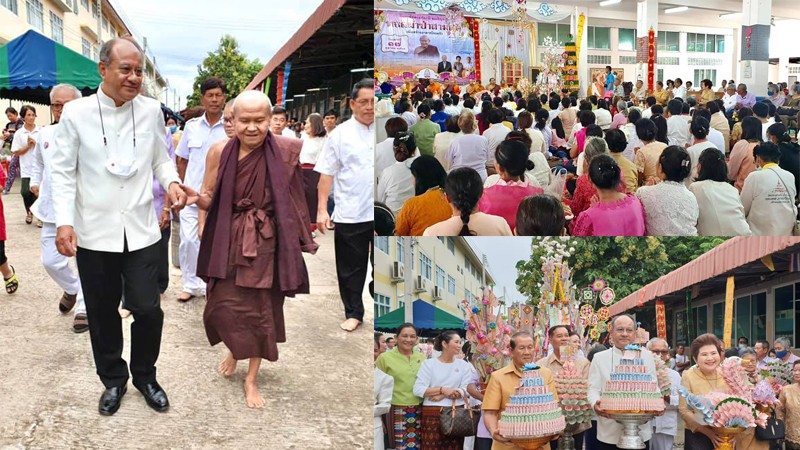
646, 33
754, 47
578, 28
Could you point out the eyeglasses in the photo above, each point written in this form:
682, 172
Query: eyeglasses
365, 102
660, 352
624, 330
57, 106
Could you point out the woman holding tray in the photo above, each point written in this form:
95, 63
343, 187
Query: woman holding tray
701, 379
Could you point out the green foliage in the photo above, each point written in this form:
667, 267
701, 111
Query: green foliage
228, 64
626, 264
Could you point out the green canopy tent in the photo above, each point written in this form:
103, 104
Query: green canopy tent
426, 317
31, 64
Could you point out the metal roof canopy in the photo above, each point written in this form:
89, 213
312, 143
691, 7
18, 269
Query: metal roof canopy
739, 257
336, 38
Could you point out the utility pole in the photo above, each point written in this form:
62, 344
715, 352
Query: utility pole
408, 254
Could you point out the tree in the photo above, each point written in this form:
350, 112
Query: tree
228, 64
626, 264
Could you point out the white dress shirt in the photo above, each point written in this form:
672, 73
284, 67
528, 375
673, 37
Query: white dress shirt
694, 155
384, 156
679, 92
383, 389
107, 210
40, 174
288, 132
198, 136
26, 161
770, 122
441, 145
768, 200
647, 113
609, 430
348, 156
677, 131
721, 210
603, 118
668, 423
396, 185
729, 101
494, 135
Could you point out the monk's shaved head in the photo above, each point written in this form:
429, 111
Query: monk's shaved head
253, 99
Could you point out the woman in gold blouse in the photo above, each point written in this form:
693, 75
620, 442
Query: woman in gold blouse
706, 94
789, 410
702, 378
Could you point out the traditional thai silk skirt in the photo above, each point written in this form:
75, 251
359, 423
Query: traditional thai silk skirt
407, 432
432, 437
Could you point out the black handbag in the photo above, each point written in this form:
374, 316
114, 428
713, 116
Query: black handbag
775, 430
460, 422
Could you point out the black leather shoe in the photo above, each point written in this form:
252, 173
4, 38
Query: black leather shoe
155, 396
111, 399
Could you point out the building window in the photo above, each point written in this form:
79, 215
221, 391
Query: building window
702, 74
95, 54
718, 318
56, 28
95, 9
680, 329
36, 15
599, 38
440, 277
627, 39
86, 48
558, 31
382, 305
382, 243
751, 317
401, 255
451, 245
786, 313
425, 268
468, 295
85, 4
451, 285
706, 43
10, 5
441, 239
467, 265
700, 320
669, 41
105, 23
660, 77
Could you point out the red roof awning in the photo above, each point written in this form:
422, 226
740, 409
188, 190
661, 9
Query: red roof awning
725, 257
311, 25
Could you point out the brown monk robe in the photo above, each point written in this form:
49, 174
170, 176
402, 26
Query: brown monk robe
251, 251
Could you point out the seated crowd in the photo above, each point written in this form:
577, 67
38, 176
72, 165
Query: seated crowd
554, 165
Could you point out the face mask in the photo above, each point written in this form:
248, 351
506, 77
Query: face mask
742, 346
781, 354
173, 129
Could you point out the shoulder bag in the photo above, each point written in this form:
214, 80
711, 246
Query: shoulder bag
460, 421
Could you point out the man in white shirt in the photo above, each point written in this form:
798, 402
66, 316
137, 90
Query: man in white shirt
761, 112
198, 135
677, 126
729, 99
329, 120
665, 427
497, 132
57, 265
768, 194
680, 90
102, 173
347, 161
278, 123
762, 354
682, 361
622, 331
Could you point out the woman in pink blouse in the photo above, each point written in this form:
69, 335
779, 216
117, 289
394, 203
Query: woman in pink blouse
503, 199
615, 213
742, 161
621, 117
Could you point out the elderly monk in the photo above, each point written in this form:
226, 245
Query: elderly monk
505, 381
253, 238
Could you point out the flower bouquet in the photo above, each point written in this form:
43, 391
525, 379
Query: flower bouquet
488, 334
764, 396
779, 374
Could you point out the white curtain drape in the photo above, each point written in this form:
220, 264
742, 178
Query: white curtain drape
505, 40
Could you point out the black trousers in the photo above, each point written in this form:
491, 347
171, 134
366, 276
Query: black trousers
163, 260
27, 196
105, 276
604, 446
578, 442
352, 243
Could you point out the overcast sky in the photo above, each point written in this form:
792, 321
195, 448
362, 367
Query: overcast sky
503, 254
181, 32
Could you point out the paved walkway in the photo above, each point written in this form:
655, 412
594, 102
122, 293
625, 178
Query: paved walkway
318, 395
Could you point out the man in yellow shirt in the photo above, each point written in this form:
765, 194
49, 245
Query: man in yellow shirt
504, 382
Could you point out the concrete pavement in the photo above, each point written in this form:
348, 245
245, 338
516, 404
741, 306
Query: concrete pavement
318, 394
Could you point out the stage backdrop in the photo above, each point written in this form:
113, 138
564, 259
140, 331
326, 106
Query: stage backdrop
409, 42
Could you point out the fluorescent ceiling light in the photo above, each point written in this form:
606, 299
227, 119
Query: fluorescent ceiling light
299, 95
366, 69
609, 2
676, 9
730, 15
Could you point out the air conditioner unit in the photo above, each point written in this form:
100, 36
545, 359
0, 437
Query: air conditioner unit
437, 293
420, 284
397, 271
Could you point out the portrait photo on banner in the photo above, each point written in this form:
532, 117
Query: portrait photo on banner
411, 43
